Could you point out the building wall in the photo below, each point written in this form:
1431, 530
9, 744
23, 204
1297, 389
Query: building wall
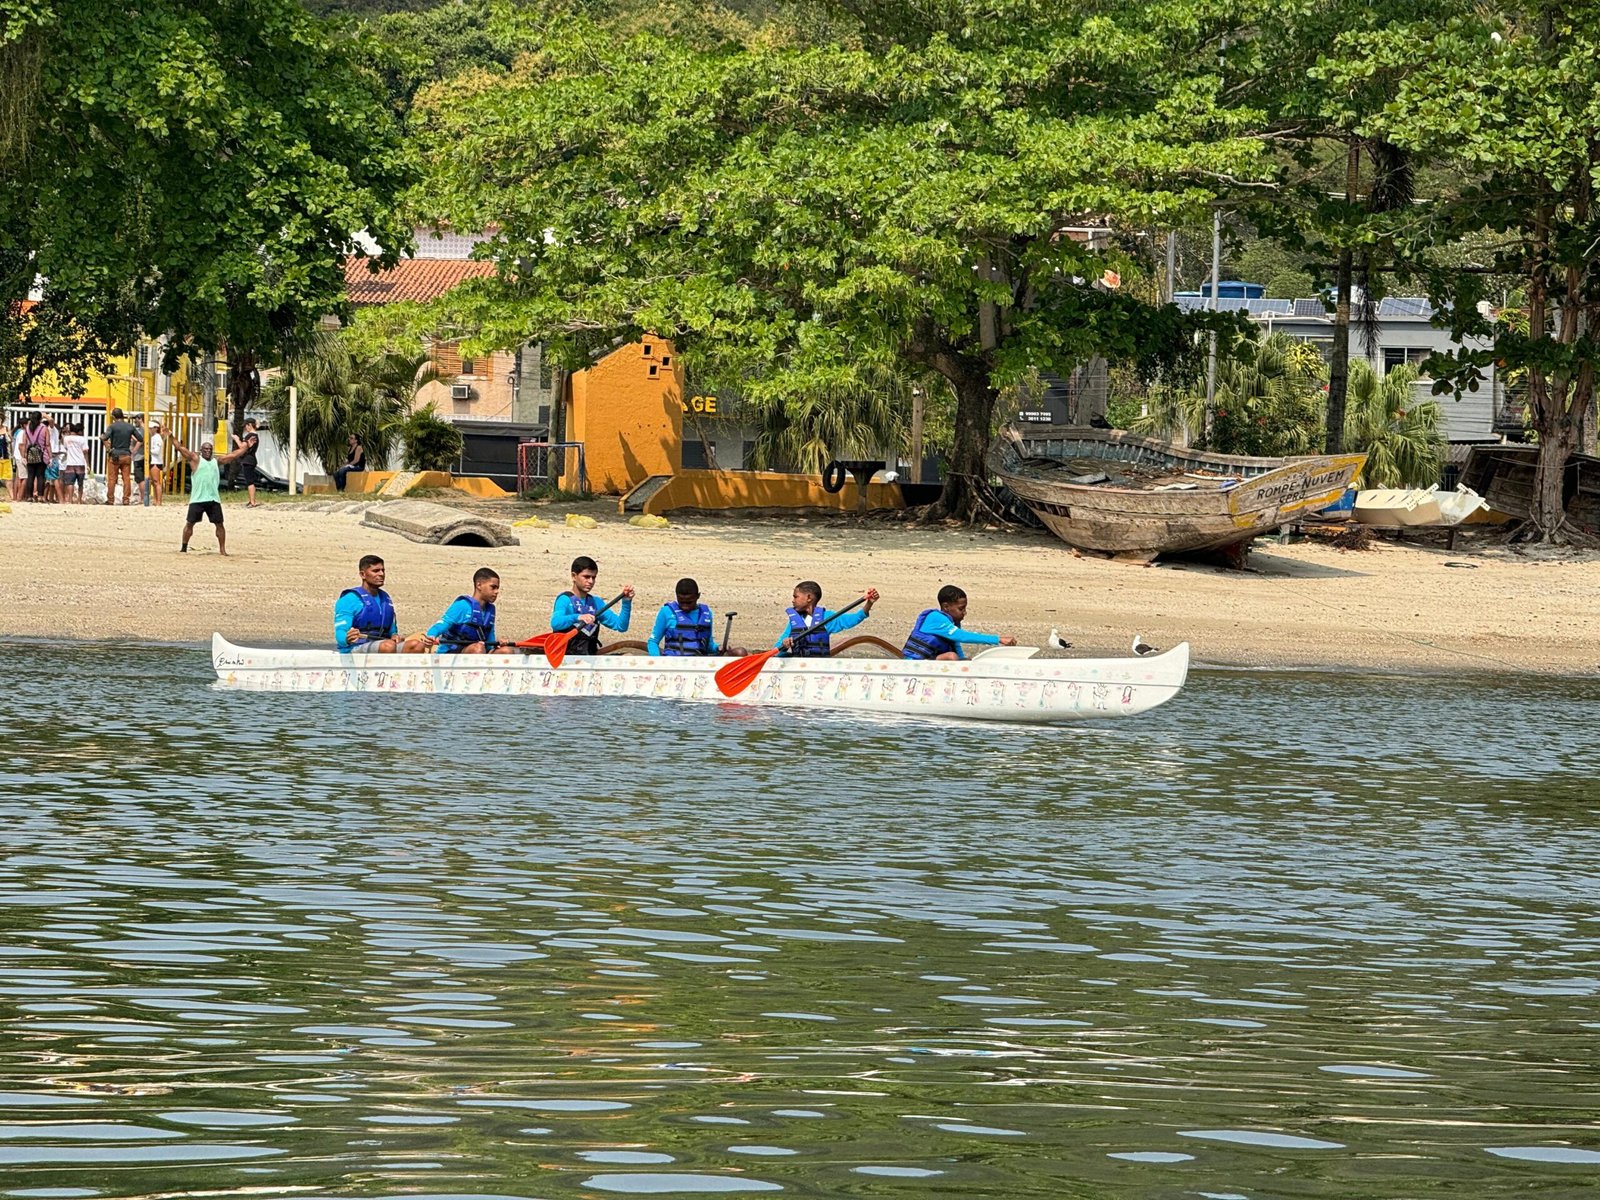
493, 394
627, 411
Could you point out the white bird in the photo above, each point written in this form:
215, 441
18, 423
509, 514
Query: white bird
1055, 640
1142, 647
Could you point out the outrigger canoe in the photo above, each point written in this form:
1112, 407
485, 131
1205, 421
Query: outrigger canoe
999, 684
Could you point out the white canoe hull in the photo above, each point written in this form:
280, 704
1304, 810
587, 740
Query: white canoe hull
1003, 684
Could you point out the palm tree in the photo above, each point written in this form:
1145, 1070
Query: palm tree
1399, 435
1269, 402
342, 393
858, 414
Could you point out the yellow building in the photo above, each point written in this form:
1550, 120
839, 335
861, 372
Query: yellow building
627, 410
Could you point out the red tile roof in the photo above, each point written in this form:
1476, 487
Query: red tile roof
419, 279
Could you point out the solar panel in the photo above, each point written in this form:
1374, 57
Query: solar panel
1259, 308
1405, 306
1310, 308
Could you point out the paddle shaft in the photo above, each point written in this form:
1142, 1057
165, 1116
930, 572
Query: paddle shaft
823, 624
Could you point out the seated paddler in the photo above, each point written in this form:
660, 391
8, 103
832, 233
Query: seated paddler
683, 627
578, 609
937, 633
467, 626
364, 617
811, 627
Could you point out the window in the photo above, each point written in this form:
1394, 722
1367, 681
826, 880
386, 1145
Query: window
144, 357
653, 370
694, 456
1400, 356
467, 366
666, 360
648, 349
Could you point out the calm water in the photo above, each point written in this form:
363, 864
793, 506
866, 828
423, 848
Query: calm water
1290, 936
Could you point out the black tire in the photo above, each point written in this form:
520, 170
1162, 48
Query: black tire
833, 477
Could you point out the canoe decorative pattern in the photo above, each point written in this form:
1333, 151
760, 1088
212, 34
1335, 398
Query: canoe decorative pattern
1007, 689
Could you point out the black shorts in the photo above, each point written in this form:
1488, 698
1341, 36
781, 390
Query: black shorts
211, 510
249, 475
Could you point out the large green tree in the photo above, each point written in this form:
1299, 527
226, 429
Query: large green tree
196, 167
1506, 93
902, 195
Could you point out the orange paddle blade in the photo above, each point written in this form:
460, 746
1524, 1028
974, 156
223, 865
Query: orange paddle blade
741, 672
555, 646
536, 642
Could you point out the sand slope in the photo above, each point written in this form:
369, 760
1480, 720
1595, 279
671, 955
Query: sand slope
94, 572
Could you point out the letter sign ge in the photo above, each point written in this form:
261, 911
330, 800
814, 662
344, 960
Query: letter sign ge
704, 405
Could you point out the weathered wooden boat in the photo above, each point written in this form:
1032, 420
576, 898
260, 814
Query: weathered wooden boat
1109, 491
1006, 683
1401, 508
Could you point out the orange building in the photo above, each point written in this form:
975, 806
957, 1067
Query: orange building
627, 410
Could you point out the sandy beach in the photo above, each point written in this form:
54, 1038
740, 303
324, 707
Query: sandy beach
115, 573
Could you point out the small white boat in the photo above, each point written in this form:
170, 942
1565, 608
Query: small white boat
1395, 508
1000, 684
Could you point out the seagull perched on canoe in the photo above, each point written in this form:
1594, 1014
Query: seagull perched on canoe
1055, 640
1142, 647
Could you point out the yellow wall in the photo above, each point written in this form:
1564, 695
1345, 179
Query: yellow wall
126, 388
627, 411
764, 489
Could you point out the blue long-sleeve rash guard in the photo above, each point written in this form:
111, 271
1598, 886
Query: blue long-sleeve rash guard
836, 625
345, 611
460, 610
564, 615
940, 625
666, 622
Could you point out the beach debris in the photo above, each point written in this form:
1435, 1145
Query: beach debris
580, 521
649, 521
4, 508
531, 523
1354, 537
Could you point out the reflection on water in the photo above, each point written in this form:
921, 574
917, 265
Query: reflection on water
1287, 937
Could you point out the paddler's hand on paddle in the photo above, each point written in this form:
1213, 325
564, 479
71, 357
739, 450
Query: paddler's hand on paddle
627, 591
871, 597
1007, 640
351, 638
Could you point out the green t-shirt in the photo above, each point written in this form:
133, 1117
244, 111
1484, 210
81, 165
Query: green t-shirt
203, 483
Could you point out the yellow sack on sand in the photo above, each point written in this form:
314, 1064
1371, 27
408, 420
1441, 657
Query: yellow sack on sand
4, 507
579, 521
649, 521
531, 523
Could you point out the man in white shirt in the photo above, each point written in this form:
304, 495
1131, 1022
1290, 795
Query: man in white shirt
155, 477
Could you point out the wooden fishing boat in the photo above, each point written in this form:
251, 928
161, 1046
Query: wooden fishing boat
1006, 683
1108, 491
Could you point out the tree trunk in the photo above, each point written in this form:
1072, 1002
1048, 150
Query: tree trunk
965, 481
1339, 358
1549, 482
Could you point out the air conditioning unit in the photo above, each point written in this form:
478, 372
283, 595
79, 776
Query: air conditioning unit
461, 391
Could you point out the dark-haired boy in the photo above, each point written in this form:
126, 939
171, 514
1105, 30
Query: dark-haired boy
937, 632
806, 636
467, 626
364, 616
578, 609
683, 628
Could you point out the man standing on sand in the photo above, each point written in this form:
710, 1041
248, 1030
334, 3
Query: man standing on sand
204, 498
120, 437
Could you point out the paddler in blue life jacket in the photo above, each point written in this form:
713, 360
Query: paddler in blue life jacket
364, 616
578, 609
684, 627
937, 633
467, 626
806, 636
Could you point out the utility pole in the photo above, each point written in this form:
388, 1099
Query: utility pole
1216, 286
208, 393
918, 398
1172, 265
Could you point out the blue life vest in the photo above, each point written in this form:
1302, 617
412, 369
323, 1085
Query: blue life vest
376, 617
478, 627
815, 642
586, 640
692, 634
922, 645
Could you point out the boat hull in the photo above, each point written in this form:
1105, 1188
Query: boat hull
1215, 514
1005, 684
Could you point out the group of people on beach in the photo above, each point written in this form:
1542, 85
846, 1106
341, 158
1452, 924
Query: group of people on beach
364, 618
50, 462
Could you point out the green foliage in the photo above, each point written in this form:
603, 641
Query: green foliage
1401, 437
198, 167
893, 200
342, 393
1269, 401
430, 442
